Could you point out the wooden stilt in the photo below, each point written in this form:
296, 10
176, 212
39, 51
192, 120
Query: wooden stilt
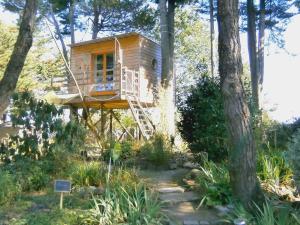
111, 125
116, 118
102, 121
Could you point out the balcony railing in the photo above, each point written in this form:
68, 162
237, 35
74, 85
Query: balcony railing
126, 82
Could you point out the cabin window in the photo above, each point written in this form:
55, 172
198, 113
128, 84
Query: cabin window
104, 71
154, 64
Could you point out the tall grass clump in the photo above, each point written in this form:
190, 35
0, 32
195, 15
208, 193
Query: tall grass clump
88, 174
273, 167
214, 182
128, 205
267, 214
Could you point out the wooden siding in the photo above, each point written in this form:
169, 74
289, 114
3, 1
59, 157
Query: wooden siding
82, 59
137, 55
150, 76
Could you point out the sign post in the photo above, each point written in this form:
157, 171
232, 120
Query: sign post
62, 186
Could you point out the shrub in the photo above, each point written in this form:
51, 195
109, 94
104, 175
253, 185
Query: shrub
157, 151
202, 123
9, 188
294, 157
42, 130
31, 175
214, 182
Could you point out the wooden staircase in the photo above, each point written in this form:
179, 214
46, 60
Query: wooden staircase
140, 115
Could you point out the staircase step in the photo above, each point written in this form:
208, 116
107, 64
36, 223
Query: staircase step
177, 189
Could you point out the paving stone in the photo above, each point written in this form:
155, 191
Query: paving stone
191, 165
177, 189
190, 222
195, 173
173, 198
204, 222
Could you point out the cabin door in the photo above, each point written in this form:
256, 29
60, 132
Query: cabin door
104, 72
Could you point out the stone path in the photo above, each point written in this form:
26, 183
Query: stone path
180, 205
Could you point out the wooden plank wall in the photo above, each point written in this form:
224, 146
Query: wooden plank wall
149, 76
82, 58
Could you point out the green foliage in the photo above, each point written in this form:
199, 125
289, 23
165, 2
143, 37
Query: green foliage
122, 176
294, 157
128, 205
202, 122
31, 175
38, 69
87, 174
273, 168
43, 130
9, 188
192, 50
214, 182
120, 16
267, 214
157, 151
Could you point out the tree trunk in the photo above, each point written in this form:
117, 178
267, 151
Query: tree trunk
165, 46
251, 31
73, 109
243, 177
18, 56
261, 48
95, 29
171, 18
212, 35
60, 36
166, 101
72, 22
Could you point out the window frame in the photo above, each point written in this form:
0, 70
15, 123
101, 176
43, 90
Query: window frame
104, 69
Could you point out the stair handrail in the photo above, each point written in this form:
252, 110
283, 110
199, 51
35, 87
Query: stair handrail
144, 112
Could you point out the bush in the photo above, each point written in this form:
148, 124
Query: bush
157, 151
214, 182
31, 175
294, 157
9, 188
202, 123
42, 130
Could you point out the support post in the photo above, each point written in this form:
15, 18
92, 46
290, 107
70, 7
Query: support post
102, 121
61, 200
125, 129
111, 125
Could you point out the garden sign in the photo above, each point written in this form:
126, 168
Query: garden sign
62, 186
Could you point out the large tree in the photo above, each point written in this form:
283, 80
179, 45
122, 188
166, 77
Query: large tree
117, 15
242, 155
23, 44
166, 96
268, 14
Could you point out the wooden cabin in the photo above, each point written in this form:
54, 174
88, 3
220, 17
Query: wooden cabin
117, 72
111, 70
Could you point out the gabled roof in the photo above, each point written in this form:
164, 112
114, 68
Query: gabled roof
111, 38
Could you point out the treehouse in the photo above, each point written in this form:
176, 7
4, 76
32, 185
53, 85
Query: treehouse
117, 72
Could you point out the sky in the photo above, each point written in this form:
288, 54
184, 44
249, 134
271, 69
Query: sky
282, 72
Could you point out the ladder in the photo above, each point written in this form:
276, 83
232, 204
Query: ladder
144, 122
